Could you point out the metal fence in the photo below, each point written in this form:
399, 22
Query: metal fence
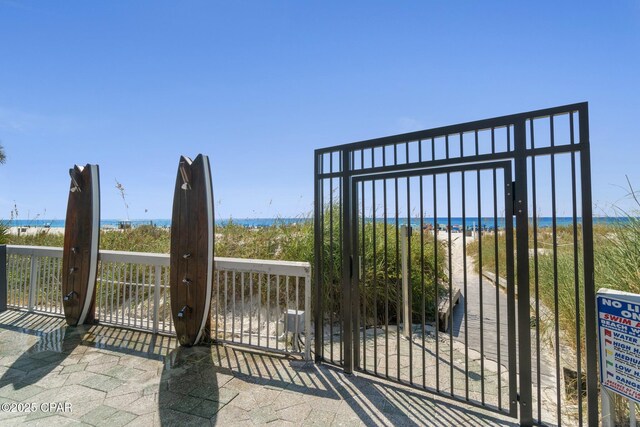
258, 303
427, 180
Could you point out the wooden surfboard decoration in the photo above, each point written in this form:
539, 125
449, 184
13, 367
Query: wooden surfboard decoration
192, 247
81, 242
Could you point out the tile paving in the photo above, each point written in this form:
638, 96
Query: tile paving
119, 377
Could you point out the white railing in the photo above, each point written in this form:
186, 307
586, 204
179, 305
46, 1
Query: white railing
258, 303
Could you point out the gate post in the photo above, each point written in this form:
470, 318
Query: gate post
521, 211
4, 283
589, 286
347, 263
317, 255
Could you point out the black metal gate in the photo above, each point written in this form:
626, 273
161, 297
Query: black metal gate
409, 225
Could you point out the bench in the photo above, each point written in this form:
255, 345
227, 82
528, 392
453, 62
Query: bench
445, 310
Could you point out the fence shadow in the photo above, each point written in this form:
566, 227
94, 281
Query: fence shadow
54, 342
205, 383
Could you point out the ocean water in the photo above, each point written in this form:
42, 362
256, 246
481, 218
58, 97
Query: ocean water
488, 222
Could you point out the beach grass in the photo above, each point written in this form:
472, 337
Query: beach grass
553, 274
4, 233
295, 242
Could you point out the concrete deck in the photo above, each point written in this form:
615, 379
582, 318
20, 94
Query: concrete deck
114, 377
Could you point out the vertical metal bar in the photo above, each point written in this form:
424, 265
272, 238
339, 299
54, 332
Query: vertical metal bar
480, 282
46, 284
398, 266
166, 290
423, 294
449, 243
318, 241
341, 209
375, 275
297, 337
576, 272
226, 307
117, 283
259, 295
137, 282
522, 238
157, 274
24, 286
251, 307
497, 286
268, 307
386, 275
11, 266
4, 283
130, 293
355, 285
218, 302
464, 281
361, 269
242, 309
307, 318
409, 302
286, 318
436, 285
404, 256
556, 310
332, 273
511, 293
347, 263
21, 287
33, 282
589, 287
27, 284
536, 275
233, 307
147, 273
57, 298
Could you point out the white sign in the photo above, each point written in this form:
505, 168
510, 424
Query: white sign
619, 342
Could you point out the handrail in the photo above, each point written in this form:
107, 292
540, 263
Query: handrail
150, 258
133, 292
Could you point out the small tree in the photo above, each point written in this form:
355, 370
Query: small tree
3, 157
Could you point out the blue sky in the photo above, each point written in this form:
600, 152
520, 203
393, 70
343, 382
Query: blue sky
259, 85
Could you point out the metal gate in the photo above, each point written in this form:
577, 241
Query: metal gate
418, 272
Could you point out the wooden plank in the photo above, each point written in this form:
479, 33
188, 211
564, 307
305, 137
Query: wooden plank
81, 242
191, 257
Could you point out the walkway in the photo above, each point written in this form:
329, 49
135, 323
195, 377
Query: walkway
115, 377
485, 332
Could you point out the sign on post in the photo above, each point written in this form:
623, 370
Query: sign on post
619, 342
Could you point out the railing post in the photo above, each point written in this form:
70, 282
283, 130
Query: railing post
156, 297
33, 282
307, 315
4, 283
